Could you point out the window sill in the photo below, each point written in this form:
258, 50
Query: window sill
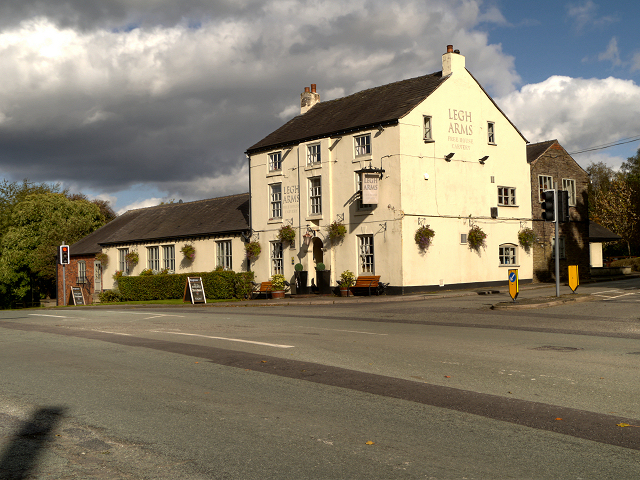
275, 173
362, 213
366, 158
430, 140
511, 265
512, 206
312, 166
311, 218
274, 220
494, 144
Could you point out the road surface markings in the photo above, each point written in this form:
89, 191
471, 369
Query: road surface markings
112, 333
228, 339
43, 315
348, 331
154, 315
612, 294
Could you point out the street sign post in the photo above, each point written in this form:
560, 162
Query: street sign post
513, 284
574, 280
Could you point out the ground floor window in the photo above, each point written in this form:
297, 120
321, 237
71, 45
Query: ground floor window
277, 259
561, 247
123, 265
365, 245
169, 257
223, 254
153, 258
507, 254
82, 271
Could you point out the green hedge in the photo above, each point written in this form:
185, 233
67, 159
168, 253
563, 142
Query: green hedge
218, 285
634, 263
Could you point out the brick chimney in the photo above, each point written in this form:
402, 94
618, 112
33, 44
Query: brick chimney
452, 61
309, 98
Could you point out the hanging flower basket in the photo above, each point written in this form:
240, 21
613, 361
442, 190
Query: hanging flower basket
132, 258
189, 252
476, 238
527, 237
103, 258
253, 249
423, 236
336, 231
287, 234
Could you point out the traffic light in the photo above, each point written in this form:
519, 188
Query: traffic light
549, 205
64, 254
563, 206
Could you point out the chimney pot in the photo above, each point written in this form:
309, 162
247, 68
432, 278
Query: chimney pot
449, 48
306, 89
313, 88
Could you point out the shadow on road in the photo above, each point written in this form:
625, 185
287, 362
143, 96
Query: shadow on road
21, 455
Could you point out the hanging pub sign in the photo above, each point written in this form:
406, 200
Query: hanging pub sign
370, 188
194, 290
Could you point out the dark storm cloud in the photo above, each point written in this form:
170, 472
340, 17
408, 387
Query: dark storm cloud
111, 94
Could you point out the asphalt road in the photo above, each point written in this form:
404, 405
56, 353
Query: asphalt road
434, 388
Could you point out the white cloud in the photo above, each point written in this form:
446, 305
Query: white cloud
611, 54
586, 14
148, 202
635, 62
579, 112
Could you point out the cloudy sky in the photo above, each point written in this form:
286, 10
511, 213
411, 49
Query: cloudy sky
137, 101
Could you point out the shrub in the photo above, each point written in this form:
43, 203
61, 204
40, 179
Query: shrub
634, 263
110, 296
117, 275
299, 267
278, 283
423, 236
147, 272
320, 267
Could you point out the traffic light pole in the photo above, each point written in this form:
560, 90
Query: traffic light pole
64, 287
557, 241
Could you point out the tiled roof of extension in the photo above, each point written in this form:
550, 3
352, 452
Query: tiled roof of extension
535, 150
171, 221
379, 105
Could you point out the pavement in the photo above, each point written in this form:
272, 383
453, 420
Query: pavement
533, 295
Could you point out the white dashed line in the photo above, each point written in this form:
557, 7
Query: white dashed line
228, 339
43, 315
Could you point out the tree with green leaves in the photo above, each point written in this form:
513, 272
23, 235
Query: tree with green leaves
35, 228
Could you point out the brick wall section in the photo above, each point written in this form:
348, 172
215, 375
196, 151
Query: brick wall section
557, 163
71, 279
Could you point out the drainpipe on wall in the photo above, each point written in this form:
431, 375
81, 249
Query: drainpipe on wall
250, 215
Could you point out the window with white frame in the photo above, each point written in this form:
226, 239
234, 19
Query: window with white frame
491, 132
561, 247
277, 259
169, 257
275, 200
315, 196
153, 258
507, 196
507, 254
223, 254
545, 182
123, 265
82, 271
569, 185
428, 134
275, 161
313, 154
360, 205
365, 247
363, 145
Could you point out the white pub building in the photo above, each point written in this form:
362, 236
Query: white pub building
434, 150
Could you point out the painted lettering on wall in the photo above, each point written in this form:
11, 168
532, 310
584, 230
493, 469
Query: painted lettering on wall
290, 199
460, 124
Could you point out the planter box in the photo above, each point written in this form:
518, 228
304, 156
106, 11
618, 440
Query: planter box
323, 281
301, 282
609, 271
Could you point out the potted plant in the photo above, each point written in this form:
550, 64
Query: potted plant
189, 252
278, 286
287, 234
476, 238
423, 237
301, 276
253, 249
347, 279
527, 237
132, 258
336, 231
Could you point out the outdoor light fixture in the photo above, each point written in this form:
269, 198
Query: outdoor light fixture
448, 157
483, 159
380, 129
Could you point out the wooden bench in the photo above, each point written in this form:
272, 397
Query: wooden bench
368, 282
261, 288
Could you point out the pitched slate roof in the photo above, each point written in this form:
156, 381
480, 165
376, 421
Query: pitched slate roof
536, 150
172, 221
598, 233
375, 106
